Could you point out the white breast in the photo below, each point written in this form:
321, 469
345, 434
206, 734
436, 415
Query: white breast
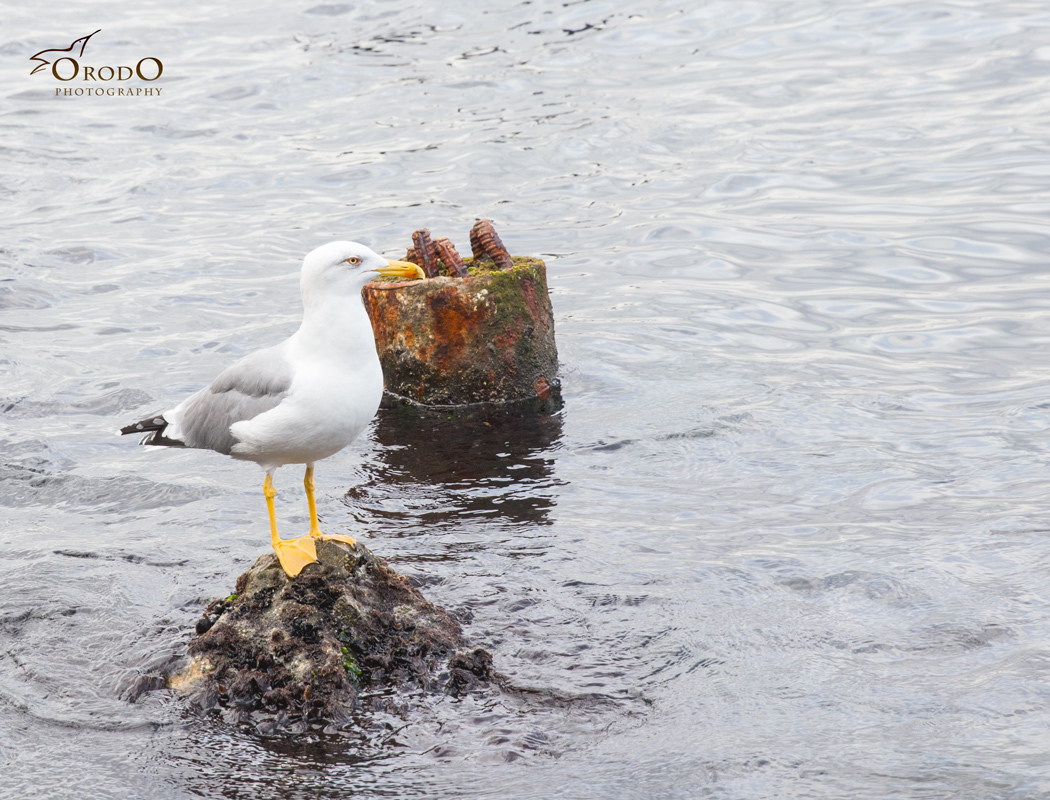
335, 391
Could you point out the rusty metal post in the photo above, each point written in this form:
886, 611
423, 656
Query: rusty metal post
486, 338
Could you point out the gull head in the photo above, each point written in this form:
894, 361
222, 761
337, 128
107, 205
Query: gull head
343, 268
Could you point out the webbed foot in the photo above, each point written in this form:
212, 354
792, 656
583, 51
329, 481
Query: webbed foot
294, 554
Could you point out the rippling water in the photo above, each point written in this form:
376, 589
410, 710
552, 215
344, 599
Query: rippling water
788, 536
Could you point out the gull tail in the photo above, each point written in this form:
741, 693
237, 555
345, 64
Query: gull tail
154, 427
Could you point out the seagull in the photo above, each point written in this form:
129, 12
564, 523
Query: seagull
301, 400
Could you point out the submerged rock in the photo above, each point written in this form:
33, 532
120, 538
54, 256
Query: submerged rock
307, 652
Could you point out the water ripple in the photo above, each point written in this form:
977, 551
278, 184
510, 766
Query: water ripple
787, 536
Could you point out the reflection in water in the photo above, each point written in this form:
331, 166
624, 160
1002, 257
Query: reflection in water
437, 468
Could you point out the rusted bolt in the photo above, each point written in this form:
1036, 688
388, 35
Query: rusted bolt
449, 256
476, 248
542, 387
425, 256
484, 241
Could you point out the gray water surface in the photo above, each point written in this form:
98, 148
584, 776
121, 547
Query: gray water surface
788, 536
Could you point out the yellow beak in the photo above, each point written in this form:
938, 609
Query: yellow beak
401, 269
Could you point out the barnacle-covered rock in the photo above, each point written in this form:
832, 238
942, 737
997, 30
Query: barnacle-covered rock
295, 654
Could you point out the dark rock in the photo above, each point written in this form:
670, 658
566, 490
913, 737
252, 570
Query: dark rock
143, 684
468, 671
288, 654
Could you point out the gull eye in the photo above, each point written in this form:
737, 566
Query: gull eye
353, 260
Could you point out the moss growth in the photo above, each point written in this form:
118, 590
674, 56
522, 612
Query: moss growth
506, 288
487, 266
353, 672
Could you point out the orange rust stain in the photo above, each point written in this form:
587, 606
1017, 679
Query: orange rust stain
458, 328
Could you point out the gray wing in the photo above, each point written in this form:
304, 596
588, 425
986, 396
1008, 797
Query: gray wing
244, 390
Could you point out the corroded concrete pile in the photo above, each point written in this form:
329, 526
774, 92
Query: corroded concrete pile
298, 654
480, 330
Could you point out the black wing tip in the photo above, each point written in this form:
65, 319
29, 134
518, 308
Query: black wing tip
153, 426
155, 422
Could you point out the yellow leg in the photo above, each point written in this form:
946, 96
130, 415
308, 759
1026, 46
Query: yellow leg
315, 529
308, 483
294, 554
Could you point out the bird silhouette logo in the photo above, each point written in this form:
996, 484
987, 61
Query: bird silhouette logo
82, 41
